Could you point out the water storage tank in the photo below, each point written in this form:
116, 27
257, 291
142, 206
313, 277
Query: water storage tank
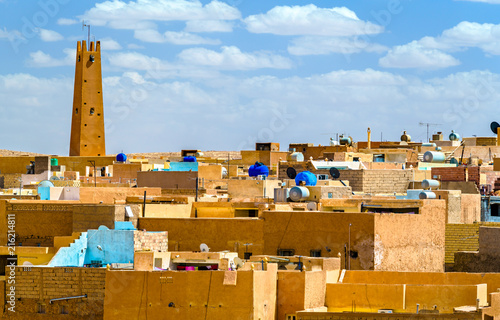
430, 183
121, 157
297, 156
258, 169
405, 137
428, 144
433, 156
299, 193
427, 195
454, 136
189, 159
54, 162
308, 177
345, 141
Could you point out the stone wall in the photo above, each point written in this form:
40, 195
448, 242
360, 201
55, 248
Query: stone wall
36, 286
154, 241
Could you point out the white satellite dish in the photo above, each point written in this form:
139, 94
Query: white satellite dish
204, 247
312, 206
238, 262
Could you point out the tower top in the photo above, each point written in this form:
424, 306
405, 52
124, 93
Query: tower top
95, 46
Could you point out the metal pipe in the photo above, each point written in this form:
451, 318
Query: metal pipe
369, 138
281, 259
68, 298
144, 206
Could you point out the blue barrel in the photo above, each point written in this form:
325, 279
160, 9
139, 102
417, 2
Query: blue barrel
189, 159
308, 177
121, 157
258, 169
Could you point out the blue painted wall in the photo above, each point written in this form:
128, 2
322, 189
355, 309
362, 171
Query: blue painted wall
183, 166
110, 246
72, 256
486, 203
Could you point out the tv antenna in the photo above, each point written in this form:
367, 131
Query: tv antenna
88, 27
427, 124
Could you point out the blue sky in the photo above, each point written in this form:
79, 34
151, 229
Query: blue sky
222, 75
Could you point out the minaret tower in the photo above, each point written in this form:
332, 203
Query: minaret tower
87, 121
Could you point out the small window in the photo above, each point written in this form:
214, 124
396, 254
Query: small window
64, 310
495, 210
85, 124
98, 114
92, 111
247, 255
315, 253
40, 308
76, 111
78, 58
286, 252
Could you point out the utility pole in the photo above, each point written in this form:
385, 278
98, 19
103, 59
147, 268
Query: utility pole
427, 124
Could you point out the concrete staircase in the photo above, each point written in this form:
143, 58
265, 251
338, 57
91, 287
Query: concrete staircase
72, 256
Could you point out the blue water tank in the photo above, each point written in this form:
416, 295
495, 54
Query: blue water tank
189, 159
454, 136
121, 157
258, 169
308, 177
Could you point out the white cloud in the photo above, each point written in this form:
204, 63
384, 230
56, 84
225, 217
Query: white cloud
232, 58
110, 44
244, 110
209, 26
138, 61
66, 21
429, 52
50, 35
177, 38
318, 45
414, 55
120, 14
134, 46
310, 20
40, 59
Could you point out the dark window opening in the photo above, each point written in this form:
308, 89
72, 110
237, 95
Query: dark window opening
355, 159
85, 124
353, 254
64, 310
78, 58
315, 253
495, 209
92, 110
247, 255
4, 263
98, 114
286, 252
76, 111
40, 308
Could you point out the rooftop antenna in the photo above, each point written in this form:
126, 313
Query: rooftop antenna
427, 124
83, 28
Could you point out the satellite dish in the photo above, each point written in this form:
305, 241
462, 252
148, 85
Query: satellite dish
335, 173
494, 126
204, 248
311, 206
54, 178
238, 262
291, 173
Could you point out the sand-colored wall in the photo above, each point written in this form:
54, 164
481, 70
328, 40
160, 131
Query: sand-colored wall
252, 188
492, 280
190, 295
411, 242
306, 231
218, 234
114, 195
402, 298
